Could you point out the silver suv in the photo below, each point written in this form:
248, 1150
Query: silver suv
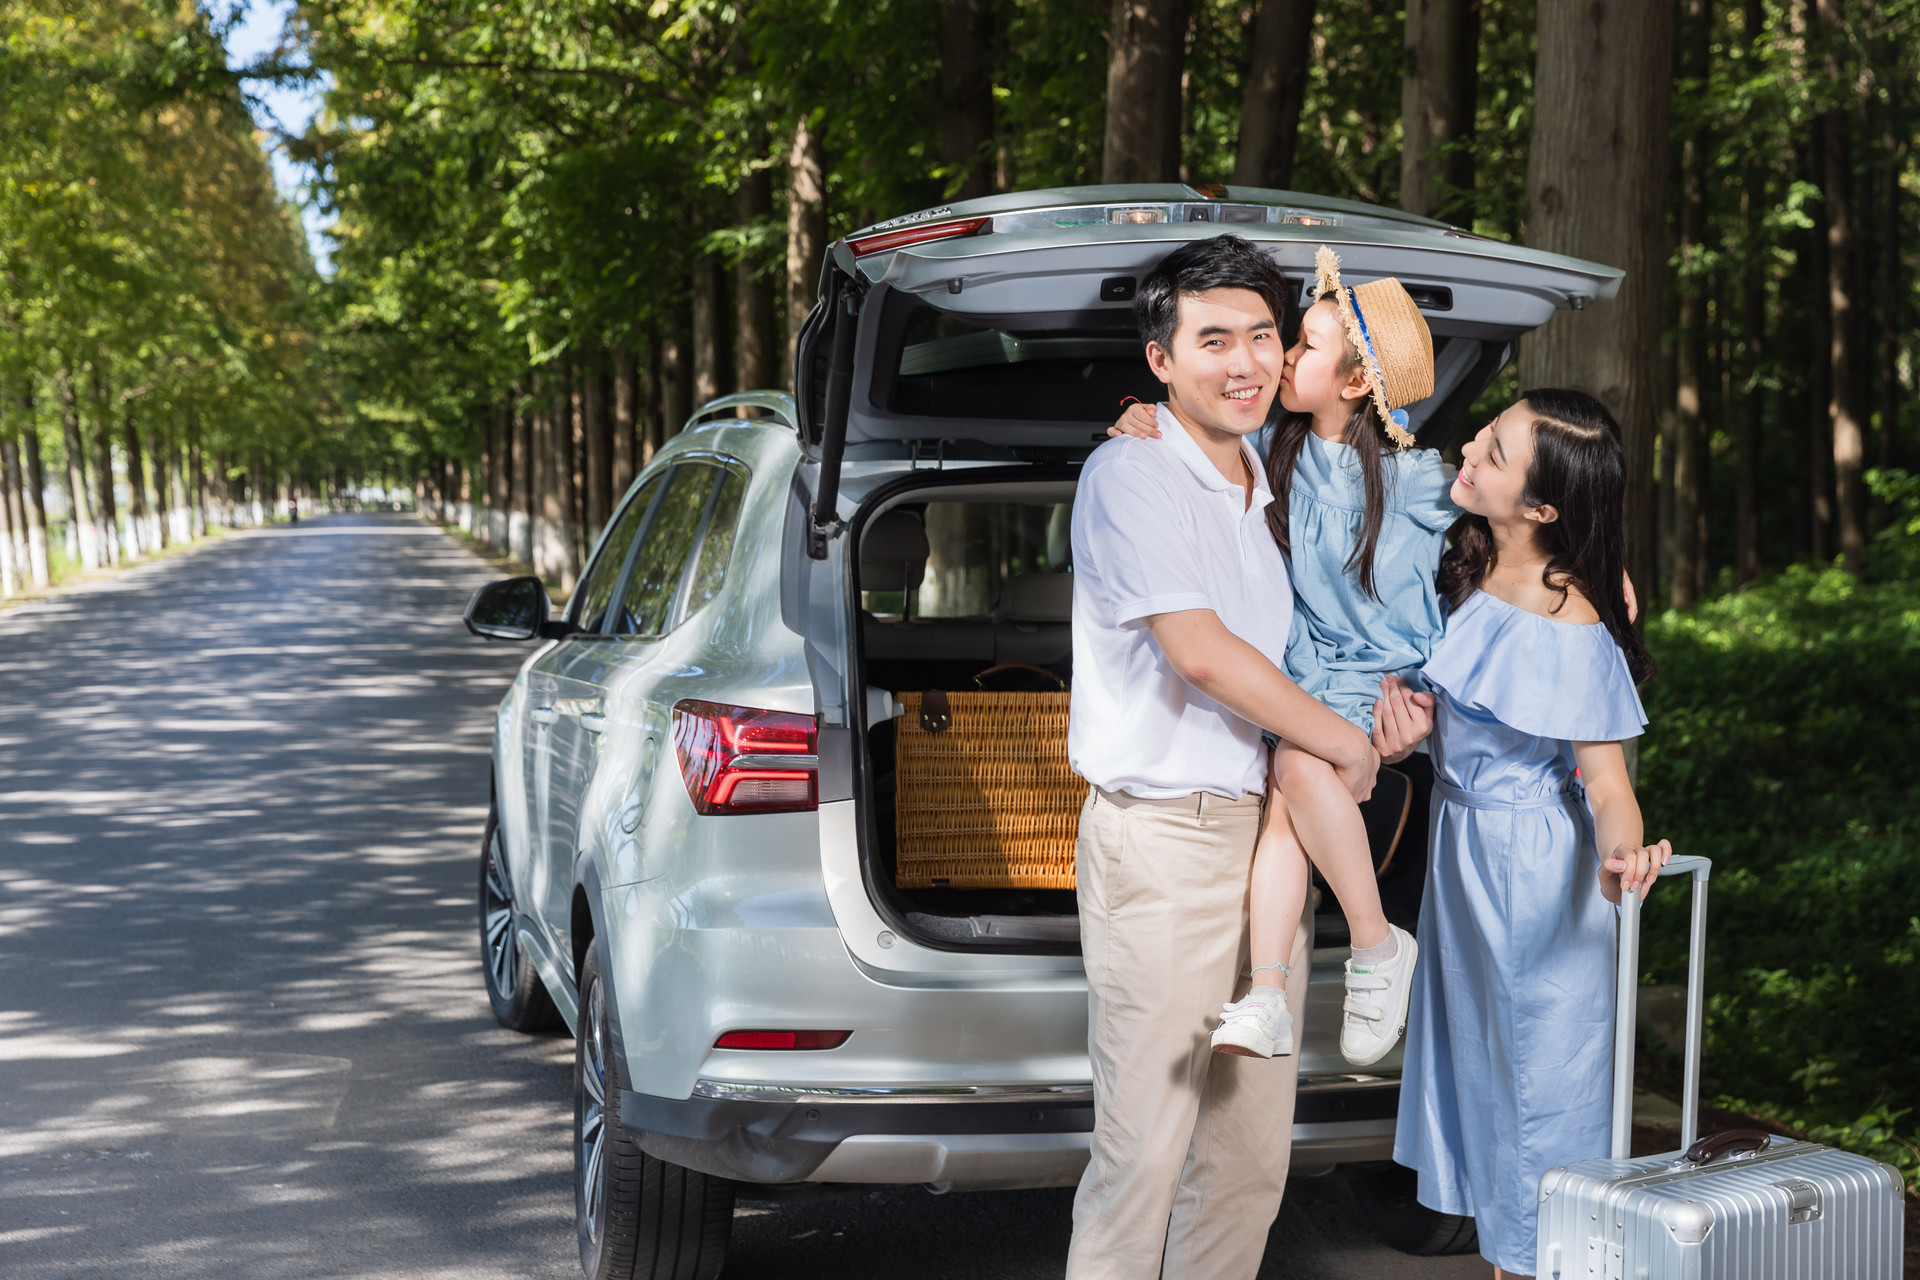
691, 857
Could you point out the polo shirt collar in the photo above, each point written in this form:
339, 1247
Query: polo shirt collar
1202, 466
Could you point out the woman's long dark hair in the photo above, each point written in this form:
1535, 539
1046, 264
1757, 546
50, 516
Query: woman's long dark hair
1366, 435
1579, 467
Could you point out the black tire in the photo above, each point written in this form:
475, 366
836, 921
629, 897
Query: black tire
638, 1218
519, 999
1386, 1197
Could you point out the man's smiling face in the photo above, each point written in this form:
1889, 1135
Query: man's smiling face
1224, 364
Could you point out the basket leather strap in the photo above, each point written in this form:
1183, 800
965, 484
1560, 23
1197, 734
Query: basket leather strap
936, 716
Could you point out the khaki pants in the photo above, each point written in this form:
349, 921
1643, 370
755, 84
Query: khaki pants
1190, 1147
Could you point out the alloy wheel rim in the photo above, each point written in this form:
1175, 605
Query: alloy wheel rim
503, 949
593, 1111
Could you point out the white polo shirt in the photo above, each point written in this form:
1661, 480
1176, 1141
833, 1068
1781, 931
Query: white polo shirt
1158, 529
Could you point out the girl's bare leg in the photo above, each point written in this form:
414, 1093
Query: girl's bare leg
1331, 831
1498, 1274
1259, 1024
1275, 894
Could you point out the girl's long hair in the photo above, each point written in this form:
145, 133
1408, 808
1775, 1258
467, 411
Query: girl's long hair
1366, 435
1580, 468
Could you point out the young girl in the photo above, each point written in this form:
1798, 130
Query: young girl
1509, 1057
1362, 518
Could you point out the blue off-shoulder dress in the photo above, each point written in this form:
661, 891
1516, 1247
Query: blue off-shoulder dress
1343, 640
1509, 1055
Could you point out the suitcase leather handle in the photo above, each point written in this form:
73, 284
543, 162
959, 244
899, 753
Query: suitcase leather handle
1732, 1142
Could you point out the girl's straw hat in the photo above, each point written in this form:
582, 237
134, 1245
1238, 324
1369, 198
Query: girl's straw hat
1389, 333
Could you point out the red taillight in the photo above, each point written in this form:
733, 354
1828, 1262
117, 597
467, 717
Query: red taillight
884, 240
782, 1040
742, 760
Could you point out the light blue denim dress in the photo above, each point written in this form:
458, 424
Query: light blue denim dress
1343, 640
1509, 1054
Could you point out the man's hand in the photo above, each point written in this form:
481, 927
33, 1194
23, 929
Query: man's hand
1359, 771
1401, 719
1240, 678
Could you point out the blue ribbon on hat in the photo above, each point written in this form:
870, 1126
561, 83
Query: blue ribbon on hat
1398, 417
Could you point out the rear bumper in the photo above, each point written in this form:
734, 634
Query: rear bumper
970, 1137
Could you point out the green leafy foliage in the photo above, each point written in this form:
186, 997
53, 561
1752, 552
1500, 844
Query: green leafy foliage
1782, 744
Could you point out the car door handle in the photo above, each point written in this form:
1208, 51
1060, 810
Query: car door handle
593, 723
543, 715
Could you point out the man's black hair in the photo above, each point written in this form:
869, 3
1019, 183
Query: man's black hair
1217, 262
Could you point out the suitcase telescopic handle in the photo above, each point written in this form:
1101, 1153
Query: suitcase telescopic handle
1626, 1003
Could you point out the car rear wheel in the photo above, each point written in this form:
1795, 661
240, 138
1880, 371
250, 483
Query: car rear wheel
638, 1218
1387, 1198
519, 999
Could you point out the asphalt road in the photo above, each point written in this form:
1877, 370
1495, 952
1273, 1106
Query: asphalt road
242, 1028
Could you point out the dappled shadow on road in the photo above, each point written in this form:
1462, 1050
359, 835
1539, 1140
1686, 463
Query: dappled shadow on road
243, 1032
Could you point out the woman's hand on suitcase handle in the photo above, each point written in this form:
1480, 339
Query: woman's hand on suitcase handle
1633, 867
1401, 718
1141, 420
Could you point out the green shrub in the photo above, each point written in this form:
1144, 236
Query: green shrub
1782, 744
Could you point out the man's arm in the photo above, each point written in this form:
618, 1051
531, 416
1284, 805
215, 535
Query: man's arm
1242, 679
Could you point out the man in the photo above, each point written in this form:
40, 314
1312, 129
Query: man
1181, 608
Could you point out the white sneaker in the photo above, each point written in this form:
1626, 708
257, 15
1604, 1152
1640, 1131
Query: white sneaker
1253, 1028
1376, 1006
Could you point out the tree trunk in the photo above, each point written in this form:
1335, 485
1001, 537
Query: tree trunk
709, 330
1819, 422
806, 234
520, 524
101, 438
598, 429
10, 542
1437, 102
625, 439
1843, 406
1892, 287
35, 493
142, 538
179, 506
1146, 52
1753, 327
25, 559
573, 422
1689, 489
755, 368
966, 97
676, 387
1276, 90
79, 507
1596, 182
650, 412
197, 470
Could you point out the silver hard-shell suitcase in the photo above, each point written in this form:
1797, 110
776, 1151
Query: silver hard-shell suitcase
1735, 1206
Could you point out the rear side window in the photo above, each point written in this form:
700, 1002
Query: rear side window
661, 560
710, 571
603, 576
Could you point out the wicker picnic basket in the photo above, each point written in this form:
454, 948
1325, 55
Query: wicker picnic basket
985, 798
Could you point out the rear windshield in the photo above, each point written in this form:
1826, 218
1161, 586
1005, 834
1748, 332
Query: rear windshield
948, 368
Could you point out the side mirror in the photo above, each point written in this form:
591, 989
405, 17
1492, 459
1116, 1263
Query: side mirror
511, 609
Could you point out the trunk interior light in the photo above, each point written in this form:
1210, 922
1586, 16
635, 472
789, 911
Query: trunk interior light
1118, 217
905, 236
782, 1040
743, 760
